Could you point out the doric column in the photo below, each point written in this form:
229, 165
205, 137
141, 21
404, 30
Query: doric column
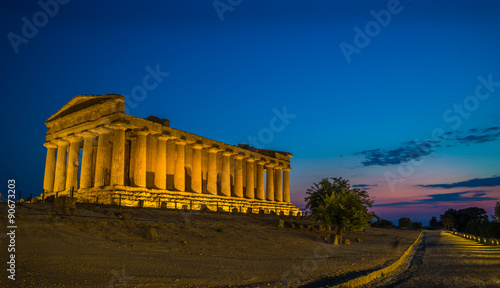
270, 181
238, 175
72, 165
278, 188
170, 163
118, 163
180, 174
102, 154
133, 158
286, 184
226, 174
150, 159
261, 194
212, 171
140, 159
161, 164
188, 166
60, 176
50, 167
87, 158
196, 182
250, 190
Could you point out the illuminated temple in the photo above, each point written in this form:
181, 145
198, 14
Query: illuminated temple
102, 155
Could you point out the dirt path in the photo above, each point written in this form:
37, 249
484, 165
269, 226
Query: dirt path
446, 260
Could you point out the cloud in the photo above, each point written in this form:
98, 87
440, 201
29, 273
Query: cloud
478, 138
416, 150
476, 182
476, 135
455, 197
364, 186
407, 151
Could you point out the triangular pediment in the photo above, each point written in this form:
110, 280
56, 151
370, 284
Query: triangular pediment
81, 102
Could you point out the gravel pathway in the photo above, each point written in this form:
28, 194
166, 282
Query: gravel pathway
446, 260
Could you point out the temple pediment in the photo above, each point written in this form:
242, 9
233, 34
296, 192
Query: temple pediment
82, 102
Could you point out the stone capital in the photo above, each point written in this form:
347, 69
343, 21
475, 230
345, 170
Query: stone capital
49, 145
101, 130
180, 142
73, 138
270, 164
118, 126
287, 169
261, 162
60, 142
197, 146
251, 159
213, 149
85, 134
227, 153
164, 137
279, 167
141, 132
153, 133
239, 156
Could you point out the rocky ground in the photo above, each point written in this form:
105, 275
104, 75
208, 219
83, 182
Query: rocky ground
448, 261
108, 246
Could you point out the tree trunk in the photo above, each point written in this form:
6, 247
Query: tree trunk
339, 231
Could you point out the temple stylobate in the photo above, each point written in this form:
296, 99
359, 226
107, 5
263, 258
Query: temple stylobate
103, 155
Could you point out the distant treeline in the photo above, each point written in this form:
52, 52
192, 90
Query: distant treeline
473, 220
403, 223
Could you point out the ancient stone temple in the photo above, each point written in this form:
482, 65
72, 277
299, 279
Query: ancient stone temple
102, 155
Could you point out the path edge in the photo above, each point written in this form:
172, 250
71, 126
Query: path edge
363, 280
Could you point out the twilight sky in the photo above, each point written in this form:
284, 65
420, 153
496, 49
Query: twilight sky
400, 97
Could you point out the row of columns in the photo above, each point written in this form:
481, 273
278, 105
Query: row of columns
62, 165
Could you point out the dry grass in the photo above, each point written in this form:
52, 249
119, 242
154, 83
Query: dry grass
103, 245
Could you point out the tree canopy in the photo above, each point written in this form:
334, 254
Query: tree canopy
383, 223
417, 225
434, 223
404, 222
328, 186
336, 203
497, 212
465, 220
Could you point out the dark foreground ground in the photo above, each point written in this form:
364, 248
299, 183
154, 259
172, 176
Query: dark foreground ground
445, 260
105, 246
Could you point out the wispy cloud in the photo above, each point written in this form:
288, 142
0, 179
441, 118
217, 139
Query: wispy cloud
416, 150
480, 135
455, 197
406, 152
476, 182
365, 186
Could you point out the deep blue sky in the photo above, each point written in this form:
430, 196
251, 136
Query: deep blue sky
228, 72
